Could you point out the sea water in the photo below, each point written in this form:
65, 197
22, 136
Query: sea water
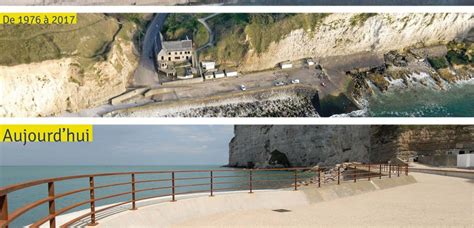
17, 174
457, 101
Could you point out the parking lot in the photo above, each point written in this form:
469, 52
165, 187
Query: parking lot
259, 80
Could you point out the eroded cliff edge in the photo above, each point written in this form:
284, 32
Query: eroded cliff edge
292, 146
47, 70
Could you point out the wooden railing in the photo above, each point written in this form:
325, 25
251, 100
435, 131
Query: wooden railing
210, 179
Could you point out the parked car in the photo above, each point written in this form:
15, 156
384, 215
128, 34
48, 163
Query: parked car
279, 83
243, 88
295, 81
323, 84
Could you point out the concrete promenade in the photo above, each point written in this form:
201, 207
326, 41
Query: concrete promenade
418, 200
434, 201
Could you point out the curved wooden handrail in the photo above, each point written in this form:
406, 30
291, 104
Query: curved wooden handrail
65, 209
30, 206
252, 176
97, 211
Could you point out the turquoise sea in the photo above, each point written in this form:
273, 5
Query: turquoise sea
457, 101
17, 174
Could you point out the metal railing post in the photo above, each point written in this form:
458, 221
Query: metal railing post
212, 185
4, 209
380, 171
92, 199
398, 170
173, 193
406, 170
52, 205
250, 181
338, 175
368, 178
319, 177
134, 206
389, 171
296, 180
355, 173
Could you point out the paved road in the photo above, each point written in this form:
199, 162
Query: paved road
210, 41
145, 74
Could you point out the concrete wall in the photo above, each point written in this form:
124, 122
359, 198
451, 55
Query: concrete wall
184, 81
446, 160
452, 173
465, 160
127, 95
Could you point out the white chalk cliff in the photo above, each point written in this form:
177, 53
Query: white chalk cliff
380, 33
272, 146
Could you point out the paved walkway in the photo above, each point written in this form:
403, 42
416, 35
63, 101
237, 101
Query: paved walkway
432, 202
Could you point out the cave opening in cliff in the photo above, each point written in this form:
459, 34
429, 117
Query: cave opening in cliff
278, 158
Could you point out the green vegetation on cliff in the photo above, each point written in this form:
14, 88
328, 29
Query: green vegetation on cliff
361, 18
181, 26
237, 33
459, 53
231, 44
438, 62
263, 29
89, 39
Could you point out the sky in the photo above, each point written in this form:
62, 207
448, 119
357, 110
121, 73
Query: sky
130, 145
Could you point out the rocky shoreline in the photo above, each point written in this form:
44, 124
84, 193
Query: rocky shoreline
293, 101
296, 106
436, 67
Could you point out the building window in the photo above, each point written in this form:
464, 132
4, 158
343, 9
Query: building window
162, 58
169, 58
180, 52
461, 152
177, 58
169, 53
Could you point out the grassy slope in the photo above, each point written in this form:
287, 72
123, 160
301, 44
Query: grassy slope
232, 31
34, 43
180, 26
86, 40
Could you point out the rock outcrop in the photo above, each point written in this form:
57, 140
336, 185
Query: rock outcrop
409, 141
284, 146
310, 145
339, 35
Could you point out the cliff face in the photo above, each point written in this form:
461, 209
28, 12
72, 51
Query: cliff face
340, 34
434, 140
276, 146
55, 86
73, 81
